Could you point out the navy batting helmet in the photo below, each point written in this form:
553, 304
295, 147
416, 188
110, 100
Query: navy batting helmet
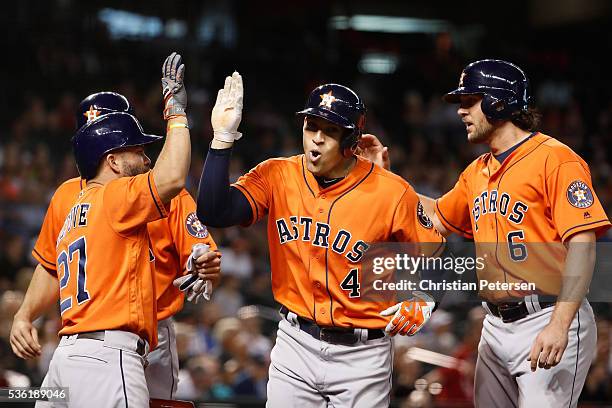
504, 87
339, 105
101, 103
109, 132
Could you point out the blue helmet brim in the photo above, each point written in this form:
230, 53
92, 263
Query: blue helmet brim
455, 95
108, 133
327, 115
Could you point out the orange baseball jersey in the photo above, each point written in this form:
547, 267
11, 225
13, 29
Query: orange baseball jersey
103, 261
318, 236
519, 212
171, 241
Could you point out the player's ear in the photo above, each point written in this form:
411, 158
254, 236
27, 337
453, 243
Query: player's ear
112, 160
349, 151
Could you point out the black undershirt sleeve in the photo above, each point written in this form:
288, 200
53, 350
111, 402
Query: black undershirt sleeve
218, 203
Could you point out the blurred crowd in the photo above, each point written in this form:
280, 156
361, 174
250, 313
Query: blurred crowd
224, 345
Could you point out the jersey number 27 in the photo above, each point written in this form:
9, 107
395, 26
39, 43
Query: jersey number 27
64, 259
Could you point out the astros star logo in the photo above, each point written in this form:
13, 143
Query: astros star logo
327, 99
461, 79
198, 226
580, 195
195, 227
91, 114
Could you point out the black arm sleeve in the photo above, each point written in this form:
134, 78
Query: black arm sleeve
437, 275
219, 204
440, 274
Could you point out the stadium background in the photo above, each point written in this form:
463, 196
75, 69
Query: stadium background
57, 52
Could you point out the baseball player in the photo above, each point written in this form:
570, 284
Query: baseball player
172, 240
331, 349
103, 259
528, 193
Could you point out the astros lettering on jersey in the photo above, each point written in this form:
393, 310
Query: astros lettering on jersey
318, 236
528, 207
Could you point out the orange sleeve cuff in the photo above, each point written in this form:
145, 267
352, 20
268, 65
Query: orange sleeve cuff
450, 226
163, 209
44, 262
599, 227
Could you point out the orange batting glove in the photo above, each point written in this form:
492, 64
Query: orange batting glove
410, 315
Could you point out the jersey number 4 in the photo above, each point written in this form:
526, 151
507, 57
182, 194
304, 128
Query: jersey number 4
64, 259
351, 283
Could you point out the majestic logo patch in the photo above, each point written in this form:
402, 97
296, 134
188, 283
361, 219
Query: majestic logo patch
195, 227
92, 114
423, 218
327, 100
579, 194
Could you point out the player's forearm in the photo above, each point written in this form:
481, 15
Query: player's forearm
564, 313
436, 276
219, 205
219, 144
577, 275
42, 294
172, 165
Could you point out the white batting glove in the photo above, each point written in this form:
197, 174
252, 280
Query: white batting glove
227, 113
191, 285
194, 287
409, 316
195, 290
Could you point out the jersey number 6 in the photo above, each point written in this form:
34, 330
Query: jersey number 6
65, 258
518, 250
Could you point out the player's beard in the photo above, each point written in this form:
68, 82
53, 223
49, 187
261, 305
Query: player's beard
133, 169
482, 132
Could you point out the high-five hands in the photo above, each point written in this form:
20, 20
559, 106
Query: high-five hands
227, 113
173, 89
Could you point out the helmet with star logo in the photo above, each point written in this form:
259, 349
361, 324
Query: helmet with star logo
503, 85
339, 105
110, 132
101, 103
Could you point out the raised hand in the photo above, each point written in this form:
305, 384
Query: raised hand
227, 113
173, 89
